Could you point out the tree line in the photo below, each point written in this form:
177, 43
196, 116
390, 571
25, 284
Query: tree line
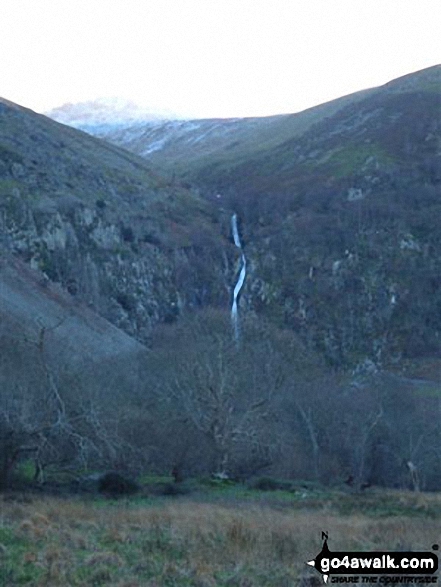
197, 402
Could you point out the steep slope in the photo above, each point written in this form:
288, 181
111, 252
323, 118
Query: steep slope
388, 115
39, 313
214, 147
338, 221
185, 146
96, 220
343, 224
340, 213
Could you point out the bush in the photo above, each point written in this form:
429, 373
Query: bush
116, 484
127, 234
270, 484
174, 489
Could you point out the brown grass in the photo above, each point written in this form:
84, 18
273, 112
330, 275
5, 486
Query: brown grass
59, 542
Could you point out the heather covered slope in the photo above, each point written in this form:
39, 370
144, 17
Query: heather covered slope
52, 345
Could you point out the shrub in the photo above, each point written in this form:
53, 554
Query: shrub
174, 489
116, 484
270, 484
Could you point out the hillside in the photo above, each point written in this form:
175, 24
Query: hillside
184, 146
344, 225
99, 222
116, 286
44, 331
96, 250
187, 146
389, 118
339, 208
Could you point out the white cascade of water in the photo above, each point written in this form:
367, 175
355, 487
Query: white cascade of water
241, 279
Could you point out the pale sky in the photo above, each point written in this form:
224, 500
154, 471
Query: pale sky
209, 58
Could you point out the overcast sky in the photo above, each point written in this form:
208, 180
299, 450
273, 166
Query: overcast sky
208, 58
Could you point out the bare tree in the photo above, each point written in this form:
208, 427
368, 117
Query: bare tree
49, 414
223, 392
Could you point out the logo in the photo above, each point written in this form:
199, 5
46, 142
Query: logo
412, 567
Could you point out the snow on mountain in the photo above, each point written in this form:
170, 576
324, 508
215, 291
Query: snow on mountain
105, 114
174, 138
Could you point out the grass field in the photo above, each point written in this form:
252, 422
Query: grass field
223, 538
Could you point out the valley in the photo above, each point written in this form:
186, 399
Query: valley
120, 267
350, 189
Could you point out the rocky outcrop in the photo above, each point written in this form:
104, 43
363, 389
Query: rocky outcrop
96, 221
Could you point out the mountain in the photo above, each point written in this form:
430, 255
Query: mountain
104, 114
343, 222
383, 112
339, 209
185, 146
96, 220
96, 250
117, 274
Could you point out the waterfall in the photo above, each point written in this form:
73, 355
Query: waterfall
241, 279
